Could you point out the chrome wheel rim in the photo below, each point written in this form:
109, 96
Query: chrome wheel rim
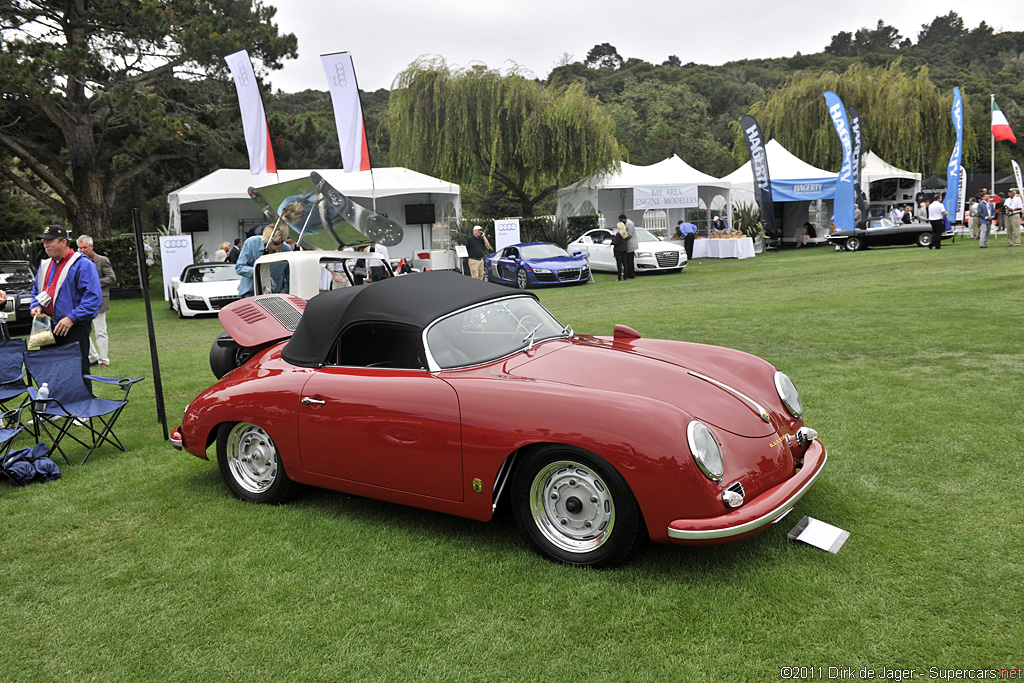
572, 507
252, 457
521, 279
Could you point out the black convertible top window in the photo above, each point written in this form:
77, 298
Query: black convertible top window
415, 300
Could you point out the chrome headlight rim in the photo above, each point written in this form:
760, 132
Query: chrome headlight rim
709, 461
788, 393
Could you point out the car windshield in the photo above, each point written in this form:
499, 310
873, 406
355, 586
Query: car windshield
15, 274
645, 236
880, 223
532, 252
212, 274
492, 330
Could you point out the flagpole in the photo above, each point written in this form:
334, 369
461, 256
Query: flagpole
992, 134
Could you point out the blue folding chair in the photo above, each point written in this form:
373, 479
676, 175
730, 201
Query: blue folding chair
12, 370
70, 402
10, 427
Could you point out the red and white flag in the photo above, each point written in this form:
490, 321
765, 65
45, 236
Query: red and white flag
1000, 126
348, 111
254, 119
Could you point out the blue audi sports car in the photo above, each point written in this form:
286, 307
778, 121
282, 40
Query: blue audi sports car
536, 264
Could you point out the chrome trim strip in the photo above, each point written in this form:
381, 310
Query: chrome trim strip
743, 397
763, 520
504, 473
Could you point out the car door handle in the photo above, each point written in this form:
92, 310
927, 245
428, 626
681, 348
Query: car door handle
306, 400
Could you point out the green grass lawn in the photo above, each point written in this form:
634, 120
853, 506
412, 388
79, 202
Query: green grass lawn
141, 565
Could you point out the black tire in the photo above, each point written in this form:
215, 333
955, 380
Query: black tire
170, 301
924, 239
178, 309
853, 244
251, 466
225, 359
522, 280
574, 508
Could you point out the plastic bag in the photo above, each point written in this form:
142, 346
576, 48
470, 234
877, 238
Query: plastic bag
42, 332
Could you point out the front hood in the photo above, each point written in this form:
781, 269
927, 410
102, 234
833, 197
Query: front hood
557, 262
209, 289
620, 369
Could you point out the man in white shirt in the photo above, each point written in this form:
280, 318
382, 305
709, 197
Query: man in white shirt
1013, 206
936, 213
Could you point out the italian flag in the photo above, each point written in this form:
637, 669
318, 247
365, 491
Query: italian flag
1000, 126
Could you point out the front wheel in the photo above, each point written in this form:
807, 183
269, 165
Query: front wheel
522, 280
924, 239
251, 466
573, 507
853, 244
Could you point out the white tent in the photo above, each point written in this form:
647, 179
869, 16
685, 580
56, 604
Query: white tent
223, 196
801, 191
618, 193
885, 185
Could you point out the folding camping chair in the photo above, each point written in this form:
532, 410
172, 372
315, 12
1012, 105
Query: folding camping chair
12, 370
10, 427
70, 403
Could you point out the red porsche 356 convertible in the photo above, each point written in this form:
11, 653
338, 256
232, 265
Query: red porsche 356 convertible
449, 394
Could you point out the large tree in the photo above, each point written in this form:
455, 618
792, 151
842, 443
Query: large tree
462, 123
94, 93
906, 119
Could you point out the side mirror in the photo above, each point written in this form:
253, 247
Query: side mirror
577, 253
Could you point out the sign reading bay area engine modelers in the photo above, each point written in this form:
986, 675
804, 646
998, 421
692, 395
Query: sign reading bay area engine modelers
665, 196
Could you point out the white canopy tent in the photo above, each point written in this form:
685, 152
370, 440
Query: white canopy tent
800, 191
885, 185
223, 196
633, 186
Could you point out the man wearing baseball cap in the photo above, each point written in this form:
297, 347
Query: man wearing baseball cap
477, 247
270, 242
67, 288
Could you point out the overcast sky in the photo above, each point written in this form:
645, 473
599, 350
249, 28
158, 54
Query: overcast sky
385, 36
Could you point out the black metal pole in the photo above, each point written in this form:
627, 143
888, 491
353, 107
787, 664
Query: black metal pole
140, 255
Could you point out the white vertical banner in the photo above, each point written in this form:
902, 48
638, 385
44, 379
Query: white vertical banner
175, 254
254, 119
348, 112
506, 232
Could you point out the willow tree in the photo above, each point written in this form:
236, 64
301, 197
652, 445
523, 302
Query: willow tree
906, 119
465, 123
94, 93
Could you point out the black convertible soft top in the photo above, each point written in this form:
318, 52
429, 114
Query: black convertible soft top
415, 300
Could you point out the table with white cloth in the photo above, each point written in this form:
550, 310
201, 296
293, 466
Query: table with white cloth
741, 247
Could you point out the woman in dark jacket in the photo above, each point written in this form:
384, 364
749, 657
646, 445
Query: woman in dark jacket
619, 240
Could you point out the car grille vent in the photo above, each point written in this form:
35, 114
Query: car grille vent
569, 274
219, 302
668, 259
282, 310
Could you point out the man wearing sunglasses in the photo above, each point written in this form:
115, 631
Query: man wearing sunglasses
270, 242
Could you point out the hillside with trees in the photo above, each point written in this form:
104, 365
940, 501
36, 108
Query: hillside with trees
154, 130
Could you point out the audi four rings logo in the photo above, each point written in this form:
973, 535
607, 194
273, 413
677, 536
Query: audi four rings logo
176, 244
243, 75
340, 75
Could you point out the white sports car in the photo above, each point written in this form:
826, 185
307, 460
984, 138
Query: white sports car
652, 254
204, 288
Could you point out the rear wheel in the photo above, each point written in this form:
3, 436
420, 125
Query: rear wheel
853, 244
251, 466
924, 239
573, 507
224, 359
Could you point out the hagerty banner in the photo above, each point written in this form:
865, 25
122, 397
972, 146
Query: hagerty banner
858, 137
759, 165
665, 196
843, 203
952, 197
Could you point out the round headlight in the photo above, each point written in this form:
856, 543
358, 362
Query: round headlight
788, 393
705, 450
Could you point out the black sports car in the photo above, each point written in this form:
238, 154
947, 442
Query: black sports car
16, 279
882, 232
